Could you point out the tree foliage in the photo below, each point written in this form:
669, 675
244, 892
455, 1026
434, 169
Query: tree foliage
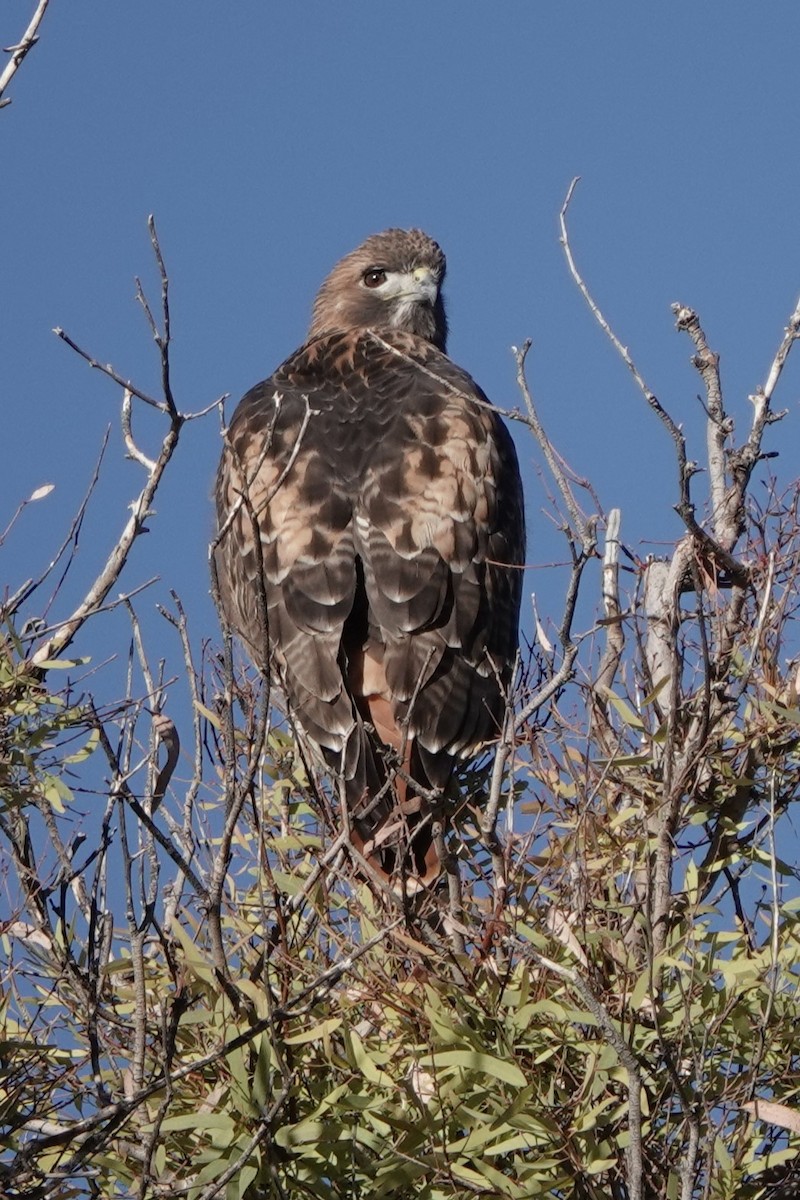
203, 995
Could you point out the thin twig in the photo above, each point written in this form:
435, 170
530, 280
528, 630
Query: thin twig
32, 585
121, 777
110, 573
553, 460
615, 636
164, 339
298, 1006
108, 370
265, 1130
628, 1061
649, 395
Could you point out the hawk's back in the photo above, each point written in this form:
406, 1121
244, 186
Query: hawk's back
371, 486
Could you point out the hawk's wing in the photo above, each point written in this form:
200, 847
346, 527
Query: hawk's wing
382, 499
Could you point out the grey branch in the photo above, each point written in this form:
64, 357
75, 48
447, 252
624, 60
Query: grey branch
615, 637
791, 334
127, 434
110, 573
28, 40
141, 506
719, 426
108, 370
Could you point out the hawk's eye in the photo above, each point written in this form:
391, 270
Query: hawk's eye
374, 277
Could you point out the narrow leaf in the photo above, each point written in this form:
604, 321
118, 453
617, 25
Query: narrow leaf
41, 492
624, 709
475, 1060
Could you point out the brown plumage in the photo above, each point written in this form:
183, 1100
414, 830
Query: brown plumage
386, 497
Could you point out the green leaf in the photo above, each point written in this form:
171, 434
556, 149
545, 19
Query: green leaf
516, 1141
315, 1034
242, 1180
198, 1120
642, 990
262, 1074
366, 1065
88, 748
309, 1133
56, 793
194, 956
61, 664
211, 717
657, 690
475, 1060
624, 709
600, 1164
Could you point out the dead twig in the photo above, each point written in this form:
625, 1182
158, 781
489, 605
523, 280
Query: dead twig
155, 468
554, 460
623, 352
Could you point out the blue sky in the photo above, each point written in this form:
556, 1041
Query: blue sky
270, 138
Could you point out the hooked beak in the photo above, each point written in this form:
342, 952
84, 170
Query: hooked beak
423, 285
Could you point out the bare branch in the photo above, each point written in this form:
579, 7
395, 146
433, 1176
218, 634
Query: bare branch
8, 608
110, 573
730, 517
791, 335
615, 636
141, 507
163, 340
553, 460
623, 352
121, 785
513, 724
108, 370
133, 450
719, 426
26, 43
166, 736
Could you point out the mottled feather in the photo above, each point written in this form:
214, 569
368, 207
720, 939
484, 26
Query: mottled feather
373, 489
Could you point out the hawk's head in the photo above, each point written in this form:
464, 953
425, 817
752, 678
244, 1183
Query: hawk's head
393, 280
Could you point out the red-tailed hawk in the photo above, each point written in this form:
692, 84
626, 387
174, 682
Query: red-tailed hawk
372, 534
